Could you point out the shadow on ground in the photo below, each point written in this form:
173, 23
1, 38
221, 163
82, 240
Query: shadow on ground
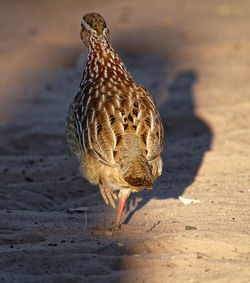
187, 138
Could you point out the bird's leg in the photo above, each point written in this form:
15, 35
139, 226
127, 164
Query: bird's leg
123, 195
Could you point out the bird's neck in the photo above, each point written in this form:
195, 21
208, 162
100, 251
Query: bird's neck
103, 63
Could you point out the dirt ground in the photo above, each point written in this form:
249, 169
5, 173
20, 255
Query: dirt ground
193, 56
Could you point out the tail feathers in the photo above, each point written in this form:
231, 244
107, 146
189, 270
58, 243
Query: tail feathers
137, 172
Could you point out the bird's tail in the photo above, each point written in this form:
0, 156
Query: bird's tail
134, 166
137, 172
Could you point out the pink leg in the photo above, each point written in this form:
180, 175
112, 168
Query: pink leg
122, 201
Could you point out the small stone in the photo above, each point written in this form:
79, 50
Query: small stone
108, 233
52, 245
190, 228
28, 179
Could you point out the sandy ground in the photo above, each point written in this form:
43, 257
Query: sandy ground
193, 56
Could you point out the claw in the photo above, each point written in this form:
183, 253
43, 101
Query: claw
111, 200
114, 195
108, 194
116, 228
103, 192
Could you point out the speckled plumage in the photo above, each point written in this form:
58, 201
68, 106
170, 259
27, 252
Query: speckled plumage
113, 125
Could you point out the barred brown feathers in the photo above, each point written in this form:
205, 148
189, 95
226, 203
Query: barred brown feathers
113, 125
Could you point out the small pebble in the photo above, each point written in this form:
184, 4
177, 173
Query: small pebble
28, 179
108, 233
190, 228
52, 245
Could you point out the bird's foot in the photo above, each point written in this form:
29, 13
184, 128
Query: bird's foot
116, 228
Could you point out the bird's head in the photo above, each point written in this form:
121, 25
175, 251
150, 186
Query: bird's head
93, 24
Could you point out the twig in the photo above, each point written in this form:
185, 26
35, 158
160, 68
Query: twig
153, 226
100, 250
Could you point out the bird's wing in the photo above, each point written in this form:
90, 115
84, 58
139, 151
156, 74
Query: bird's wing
105, 116
149, 126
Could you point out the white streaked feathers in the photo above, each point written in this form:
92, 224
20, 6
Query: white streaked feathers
89, 135
111, 129
152, 121
86, 106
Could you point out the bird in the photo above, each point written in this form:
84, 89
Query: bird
113, 125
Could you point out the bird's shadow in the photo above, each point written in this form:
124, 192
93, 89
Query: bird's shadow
187, 138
